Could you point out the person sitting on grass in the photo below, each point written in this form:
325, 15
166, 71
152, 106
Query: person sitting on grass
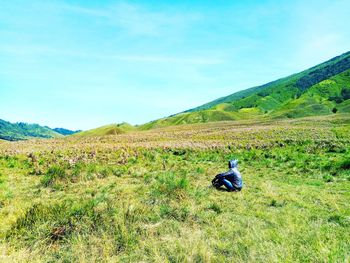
232, 179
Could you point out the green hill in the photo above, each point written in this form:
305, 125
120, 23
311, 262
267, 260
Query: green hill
111, 129
320, 90
22, 131
64, 131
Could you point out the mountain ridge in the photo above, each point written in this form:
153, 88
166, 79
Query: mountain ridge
263, 86
276, 99
23, 131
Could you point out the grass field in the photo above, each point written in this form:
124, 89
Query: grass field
145, 196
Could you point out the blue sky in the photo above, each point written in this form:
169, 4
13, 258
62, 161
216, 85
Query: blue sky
80, 64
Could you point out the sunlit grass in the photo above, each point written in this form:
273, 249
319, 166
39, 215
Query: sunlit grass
146, 196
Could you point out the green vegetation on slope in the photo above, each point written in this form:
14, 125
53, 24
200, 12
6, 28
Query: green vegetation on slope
321, 90
112, 129
144, 197
185, 118
21, 131
323, 98
301, 81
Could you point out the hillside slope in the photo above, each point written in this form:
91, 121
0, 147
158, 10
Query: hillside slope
320, 90
111, 129
22, 131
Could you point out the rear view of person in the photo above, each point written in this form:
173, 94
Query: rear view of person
232, 179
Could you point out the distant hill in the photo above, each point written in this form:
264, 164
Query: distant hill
65, 132
22, 131
112, 129
320, 90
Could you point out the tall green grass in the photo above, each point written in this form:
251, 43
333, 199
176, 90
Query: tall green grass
155, 204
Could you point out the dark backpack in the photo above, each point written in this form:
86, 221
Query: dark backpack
216, 182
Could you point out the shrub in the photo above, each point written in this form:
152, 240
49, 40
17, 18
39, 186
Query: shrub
52, 174
12, 162
339, 220
345, 93
170, 185
328, 178
345, 164
119, 171
336, 99
215, 207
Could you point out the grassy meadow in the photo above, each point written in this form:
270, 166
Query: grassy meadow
145, 196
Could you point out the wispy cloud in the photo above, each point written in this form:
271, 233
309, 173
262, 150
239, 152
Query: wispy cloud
136, 19
320, 36
84, 10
